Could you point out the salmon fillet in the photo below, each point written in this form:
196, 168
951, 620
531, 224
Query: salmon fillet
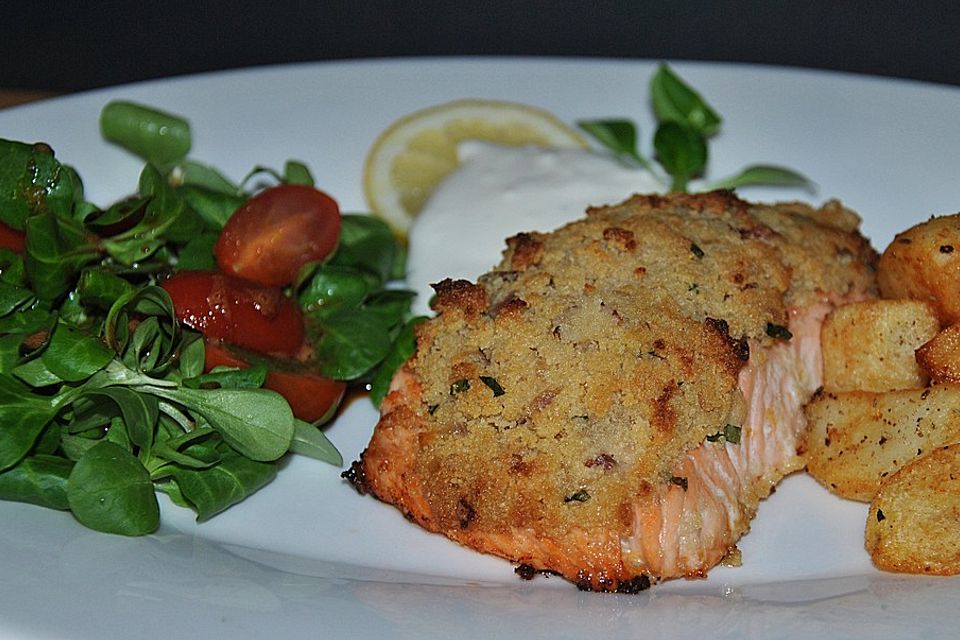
612, 402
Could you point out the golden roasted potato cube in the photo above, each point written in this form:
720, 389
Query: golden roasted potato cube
856, 439
870, 345
923, 263
940, 357
914, 521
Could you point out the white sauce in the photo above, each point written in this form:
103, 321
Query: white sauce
500, 191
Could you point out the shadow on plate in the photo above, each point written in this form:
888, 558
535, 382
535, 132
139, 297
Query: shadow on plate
78, 584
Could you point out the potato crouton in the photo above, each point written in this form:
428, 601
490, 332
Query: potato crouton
940, 357
870, 345
914, 521
857, 438
923, 263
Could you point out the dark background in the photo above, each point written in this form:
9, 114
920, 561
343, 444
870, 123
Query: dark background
69, 46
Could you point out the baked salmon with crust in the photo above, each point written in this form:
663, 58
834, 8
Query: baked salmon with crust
613, 400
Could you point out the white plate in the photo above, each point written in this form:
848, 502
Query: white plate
307, 556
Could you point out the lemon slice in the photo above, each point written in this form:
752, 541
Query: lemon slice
410, 158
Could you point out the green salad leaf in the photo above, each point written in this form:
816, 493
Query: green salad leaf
682, 151
403, 348
161, 139
109, 490
764, 174
32, 180
233, 478
685, 124
24, 415
39, 479
308, 440
675, 101
620, 136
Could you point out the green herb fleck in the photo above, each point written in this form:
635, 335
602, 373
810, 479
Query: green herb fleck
580, 495
493, 384
778, 332
459, 386
696, 250
679, 481
730, 433
432, 409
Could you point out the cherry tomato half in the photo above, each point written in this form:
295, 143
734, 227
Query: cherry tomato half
248, 315
311, 397
12, 239
276, 232
217, 355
